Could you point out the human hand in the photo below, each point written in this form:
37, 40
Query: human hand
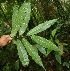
5, 39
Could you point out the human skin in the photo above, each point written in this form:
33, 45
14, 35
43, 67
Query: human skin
4, 40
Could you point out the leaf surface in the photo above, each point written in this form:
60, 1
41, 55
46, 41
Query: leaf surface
54, 32
32, 52
22, 53
24, 17
58, 57
15, 25
17, 65
48, 51
44, 42
41, 49
20, 19
41, 27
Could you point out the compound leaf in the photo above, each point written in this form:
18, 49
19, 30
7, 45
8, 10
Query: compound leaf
41, 27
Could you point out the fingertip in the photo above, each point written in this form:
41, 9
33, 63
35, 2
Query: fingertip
11, 38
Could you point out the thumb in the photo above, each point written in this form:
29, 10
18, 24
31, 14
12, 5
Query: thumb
9, 39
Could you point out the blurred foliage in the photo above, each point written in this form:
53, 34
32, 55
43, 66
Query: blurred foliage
59, 34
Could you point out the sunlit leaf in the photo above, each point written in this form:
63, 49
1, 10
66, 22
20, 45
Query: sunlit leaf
44, 42
22, 53
32, 52
15, 25
24, 17
20, 18
41, 27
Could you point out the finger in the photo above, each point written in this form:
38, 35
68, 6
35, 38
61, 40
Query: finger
4, 37
9, 39
7, 36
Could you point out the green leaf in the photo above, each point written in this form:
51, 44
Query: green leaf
3, 6
15, 25
44, 42
32, 52
24, 17
58, 58
57, 41
22, 53
66, 64
20, 19
41, 27
54, 32
17, 65
41, 49
35, 48
60, 46
48, 51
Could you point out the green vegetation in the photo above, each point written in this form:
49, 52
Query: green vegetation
41, 35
